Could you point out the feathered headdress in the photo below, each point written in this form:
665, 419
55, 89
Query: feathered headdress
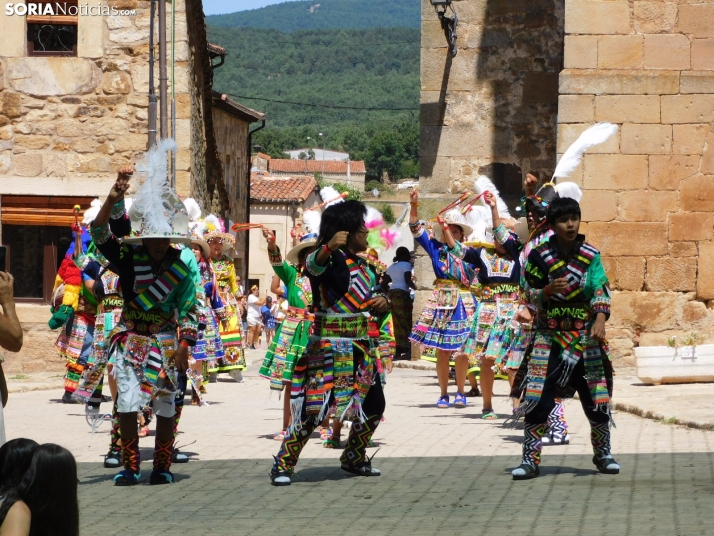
157, 212
91, 213
595, 135
484, 184
330, 197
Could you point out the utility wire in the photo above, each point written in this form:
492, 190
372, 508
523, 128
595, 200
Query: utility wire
346, 45
333, 106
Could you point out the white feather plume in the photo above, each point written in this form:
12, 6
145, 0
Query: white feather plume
154, 188
595, 135
197, 227
192, 208
91, 213
569, 189
373, 218
213, 223
311, 221
330, 196
482, 184
480, 219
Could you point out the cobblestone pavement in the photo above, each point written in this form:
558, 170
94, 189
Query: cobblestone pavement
444, 471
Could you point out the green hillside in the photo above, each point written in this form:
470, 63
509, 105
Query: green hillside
325, 14
351, 70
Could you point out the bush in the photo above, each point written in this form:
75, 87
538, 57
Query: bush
387, 213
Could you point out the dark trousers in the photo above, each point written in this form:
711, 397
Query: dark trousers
539, 414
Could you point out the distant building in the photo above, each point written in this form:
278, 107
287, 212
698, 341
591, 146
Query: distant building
349, 172
278, 204
328, 155
259, 162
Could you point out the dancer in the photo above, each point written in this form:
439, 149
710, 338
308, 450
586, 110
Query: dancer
337, 364
221, 242
292, 334
209, 346
76, 314
444, 324
565, 280
382, 343
496, 291
159, 322
397, 281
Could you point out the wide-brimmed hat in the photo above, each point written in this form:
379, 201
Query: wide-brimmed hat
157, 212
453, 217
205, 248
215, 230
306, 241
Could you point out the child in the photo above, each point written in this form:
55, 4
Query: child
565, 280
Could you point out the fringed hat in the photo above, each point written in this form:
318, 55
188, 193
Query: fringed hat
216, 230
371, 257
157, 212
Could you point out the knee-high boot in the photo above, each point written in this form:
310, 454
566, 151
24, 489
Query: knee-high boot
358, 440
293, 444
532, 443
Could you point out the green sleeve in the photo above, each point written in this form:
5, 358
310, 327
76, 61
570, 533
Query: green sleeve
286, 273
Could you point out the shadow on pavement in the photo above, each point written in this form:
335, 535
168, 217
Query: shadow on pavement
654, 494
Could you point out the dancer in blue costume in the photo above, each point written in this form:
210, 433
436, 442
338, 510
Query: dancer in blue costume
445, 322
497, 293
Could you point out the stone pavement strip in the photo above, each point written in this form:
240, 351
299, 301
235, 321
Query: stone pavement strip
444, 471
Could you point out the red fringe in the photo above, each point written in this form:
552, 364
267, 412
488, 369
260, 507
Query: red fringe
70, 274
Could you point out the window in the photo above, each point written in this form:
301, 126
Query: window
35, 253
36, 230
52, 28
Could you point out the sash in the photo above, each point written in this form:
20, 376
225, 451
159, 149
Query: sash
162, 286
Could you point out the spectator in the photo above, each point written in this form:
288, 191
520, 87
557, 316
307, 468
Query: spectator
45, 501
255, 323
10, 335
15, 458
398, 282
267, 312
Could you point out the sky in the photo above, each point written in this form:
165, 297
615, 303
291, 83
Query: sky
216, 7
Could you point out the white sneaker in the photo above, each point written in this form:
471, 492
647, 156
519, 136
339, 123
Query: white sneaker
237, 375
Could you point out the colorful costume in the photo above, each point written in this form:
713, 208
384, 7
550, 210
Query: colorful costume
338, 365
497, 293
563, 358
292, 334
159, 312
77, 313
445, 322
228, 292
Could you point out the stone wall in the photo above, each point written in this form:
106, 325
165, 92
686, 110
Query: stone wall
649, 193
492, 108
647, 66
67, 124
232, 146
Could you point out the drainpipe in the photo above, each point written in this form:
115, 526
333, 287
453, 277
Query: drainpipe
173, 93
247, 197
163, 77
152, 94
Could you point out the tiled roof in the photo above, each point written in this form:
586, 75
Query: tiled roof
276, 189
287, 165
263, 156
223, 102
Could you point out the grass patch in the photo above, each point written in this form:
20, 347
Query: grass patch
20, 377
